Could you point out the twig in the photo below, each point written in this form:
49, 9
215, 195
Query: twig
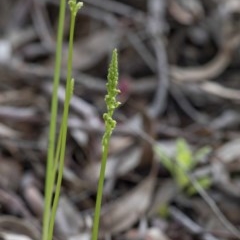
187, 107
142, 50
220, 91
156, 27
189, 224
42, 24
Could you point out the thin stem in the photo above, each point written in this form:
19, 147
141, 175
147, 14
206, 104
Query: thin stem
52, 131
100, 191
110, 124
56, 163
60, 167
64, 123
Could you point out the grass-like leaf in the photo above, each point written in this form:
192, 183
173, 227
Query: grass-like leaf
56, 155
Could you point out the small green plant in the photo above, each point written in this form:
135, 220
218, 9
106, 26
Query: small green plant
110, 124
56, 154
184, 162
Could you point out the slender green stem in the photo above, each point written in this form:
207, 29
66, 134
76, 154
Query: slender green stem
61, 161
55, 164
110, 124
55, 159
100, 192
53, 120
60, 154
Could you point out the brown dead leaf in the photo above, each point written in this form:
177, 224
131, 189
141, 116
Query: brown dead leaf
7, 132
229, 151
127, 210
92, 49
117, 165
19, 226
13, 204
68, 220
151, 234
10, 174
12, 236
118, 143
186, 12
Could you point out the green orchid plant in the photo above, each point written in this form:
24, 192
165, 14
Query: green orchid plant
110, 124
56, 149
184, 162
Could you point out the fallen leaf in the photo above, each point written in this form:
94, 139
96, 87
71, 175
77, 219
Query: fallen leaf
128, 209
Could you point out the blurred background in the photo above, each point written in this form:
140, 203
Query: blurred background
173, 169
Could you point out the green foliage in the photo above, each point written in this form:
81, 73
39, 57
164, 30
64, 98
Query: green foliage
56, 155
110, 124
163, 210
204, 182
184, 162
